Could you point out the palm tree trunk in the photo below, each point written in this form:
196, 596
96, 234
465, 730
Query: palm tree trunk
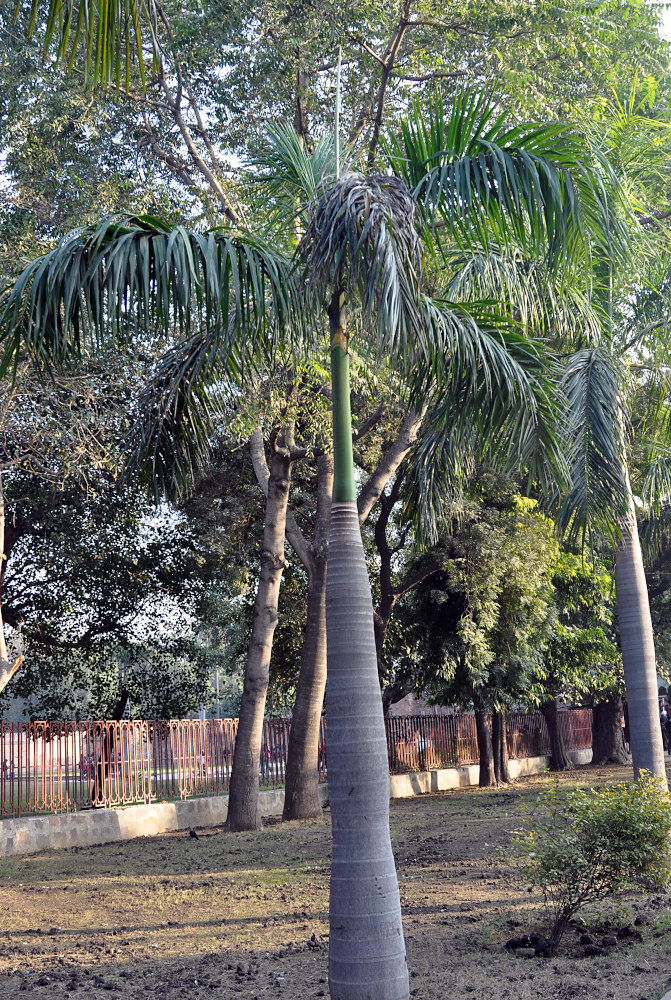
243, 794
638, 652
366, 945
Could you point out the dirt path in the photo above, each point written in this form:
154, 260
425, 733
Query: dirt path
245, 915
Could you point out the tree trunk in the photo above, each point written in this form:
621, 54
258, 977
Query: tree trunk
302, 779
485, 750
366, 946
366, 949
7, 669
638, 653
104, 762
500, 746
301, 794
559, 759
243, 796
607, 742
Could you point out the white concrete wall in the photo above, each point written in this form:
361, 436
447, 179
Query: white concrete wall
422, 782
30, 834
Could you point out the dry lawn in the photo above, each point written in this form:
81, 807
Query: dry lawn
245, 915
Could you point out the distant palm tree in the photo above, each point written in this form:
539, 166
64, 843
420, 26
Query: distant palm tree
607, 299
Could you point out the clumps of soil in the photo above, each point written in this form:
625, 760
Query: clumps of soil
245, 916
578, 942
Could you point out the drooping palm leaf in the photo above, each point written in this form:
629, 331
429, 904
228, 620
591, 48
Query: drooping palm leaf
113, 36
361, 239
593, 383
529, 185
130, 276
172, 433
547, 304
495, 400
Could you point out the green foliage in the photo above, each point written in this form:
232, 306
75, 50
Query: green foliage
580, 658
166, 680
480, 622
136, 275
549, 54
583, 846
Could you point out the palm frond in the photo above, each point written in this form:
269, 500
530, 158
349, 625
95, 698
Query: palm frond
496, 401
531, 185
593, 384
113, 36
653, 486
126, 277
172, 434
288, 169
361, 239
546, 304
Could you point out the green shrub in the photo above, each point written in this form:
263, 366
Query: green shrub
584, 846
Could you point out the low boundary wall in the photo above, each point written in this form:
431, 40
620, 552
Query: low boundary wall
31, 834
423, 782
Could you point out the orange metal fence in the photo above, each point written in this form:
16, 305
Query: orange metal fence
64, 766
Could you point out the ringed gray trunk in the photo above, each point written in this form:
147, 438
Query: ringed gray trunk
638, 652
366, 946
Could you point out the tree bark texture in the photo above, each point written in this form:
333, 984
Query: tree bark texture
500, 746
559, 758
7, 669
366, 946
302, 778
607, 742
638, 652
301, 795
243, 794
485, 749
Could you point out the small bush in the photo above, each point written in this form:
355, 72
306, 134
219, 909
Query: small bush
583, 846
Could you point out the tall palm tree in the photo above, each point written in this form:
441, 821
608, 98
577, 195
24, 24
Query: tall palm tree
596, 324
363, 266
630, 297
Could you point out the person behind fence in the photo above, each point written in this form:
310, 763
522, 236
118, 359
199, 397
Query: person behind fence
663, 722
5, 768
420, 747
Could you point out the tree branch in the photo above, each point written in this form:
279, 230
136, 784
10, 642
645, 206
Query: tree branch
421, 574
369, 423
389, 463
431, 76
293, 533
389, 60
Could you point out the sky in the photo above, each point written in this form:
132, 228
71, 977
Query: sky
666, 18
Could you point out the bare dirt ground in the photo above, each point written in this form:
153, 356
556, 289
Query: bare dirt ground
245, 915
